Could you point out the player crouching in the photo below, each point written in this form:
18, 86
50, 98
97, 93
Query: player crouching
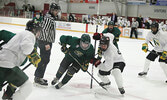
12, 55
77, 57
114, 62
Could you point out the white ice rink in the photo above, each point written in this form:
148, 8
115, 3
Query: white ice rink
151, 87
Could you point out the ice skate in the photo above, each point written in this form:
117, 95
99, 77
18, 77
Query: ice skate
121, 90
40, 82
59, 85
105, 84
54, 81
142, 73
6, 96
45, 80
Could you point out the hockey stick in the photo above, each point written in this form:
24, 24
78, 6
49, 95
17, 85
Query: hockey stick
87, 71
22, 70
91, 82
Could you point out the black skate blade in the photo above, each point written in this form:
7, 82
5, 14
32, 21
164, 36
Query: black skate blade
39, 85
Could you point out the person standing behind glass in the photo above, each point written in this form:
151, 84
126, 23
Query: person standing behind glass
134, 27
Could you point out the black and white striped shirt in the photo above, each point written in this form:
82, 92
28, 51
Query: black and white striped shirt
48, 32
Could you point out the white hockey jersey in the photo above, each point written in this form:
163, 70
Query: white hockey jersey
159, 40
111, 55
15, 51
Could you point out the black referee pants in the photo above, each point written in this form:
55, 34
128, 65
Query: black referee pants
45, 58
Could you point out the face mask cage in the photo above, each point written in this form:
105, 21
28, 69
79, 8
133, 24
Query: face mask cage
84, 46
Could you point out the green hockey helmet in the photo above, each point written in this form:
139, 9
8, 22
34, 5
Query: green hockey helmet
110, 23
85, 38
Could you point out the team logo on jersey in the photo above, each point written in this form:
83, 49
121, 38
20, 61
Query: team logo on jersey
156, 42
78, 53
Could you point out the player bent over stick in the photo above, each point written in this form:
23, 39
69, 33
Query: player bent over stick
114, 61
12, 55
159, 39
81, 49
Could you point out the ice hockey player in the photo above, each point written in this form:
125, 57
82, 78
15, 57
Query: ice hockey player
77, 57
37, 18
113, 30
159, 39
45, 40
5, 36
12, 54
113, 61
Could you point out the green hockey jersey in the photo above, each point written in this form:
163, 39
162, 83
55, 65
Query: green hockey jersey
82, 56
116, 32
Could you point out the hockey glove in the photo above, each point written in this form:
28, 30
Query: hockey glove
164, 55
97, 36
98, 62
64, 49
95, 61
84, 67
34, 58
145, 47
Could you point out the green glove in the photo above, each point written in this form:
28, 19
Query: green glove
145, 47
164, 55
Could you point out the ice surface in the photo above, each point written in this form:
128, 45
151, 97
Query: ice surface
151, 87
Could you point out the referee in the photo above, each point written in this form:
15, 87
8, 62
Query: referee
45, 40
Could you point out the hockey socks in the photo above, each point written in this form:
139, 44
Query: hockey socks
66, 78
9, 92
119, 80
146, 68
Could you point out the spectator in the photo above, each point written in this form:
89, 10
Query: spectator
134, 27
149, 20
41, 13
114, 18
89, 21
33, 10
71, 18
85, 21
147, 24
140, 21
28, 7
24, 7
120, 22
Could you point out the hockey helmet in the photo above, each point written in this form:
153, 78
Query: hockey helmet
110, 26
154, 27
85, 41
110, 23
33, 27
104, 43
54, 6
